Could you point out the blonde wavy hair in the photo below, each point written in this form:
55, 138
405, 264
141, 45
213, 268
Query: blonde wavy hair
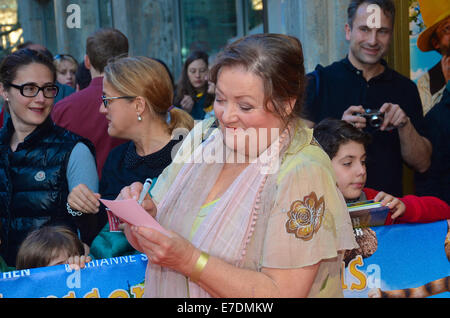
148, 78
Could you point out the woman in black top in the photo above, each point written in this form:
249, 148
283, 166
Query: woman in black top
38, 160
137, 103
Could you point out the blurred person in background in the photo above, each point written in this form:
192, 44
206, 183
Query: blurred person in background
193, 92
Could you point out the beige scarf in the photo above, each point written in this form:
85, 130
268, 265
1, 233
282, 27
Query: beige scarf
226, 231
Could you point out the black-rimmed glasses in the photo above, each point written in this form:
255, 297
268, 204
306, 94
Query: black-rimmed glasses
106, 100
32, 90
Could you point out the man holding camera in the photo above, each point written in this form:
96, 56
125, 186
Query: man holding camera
362, 86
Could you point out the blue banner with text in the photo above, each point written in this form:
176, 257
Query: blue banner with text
408, 260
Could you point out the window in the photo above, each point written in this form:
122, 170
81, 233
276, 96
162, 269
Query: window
10, 30
105, 13
209, 25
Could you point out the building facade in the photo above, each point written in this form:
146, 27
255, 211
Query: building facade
170, 29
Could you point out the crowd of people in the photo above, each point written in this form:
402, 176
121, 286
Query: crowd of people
268, 216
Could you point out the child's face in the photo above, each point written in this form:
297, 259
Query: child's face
66, 73
349, 165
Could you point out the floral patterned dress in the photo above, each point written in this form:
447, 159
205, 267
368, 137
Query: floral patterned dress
302, 218
309, 221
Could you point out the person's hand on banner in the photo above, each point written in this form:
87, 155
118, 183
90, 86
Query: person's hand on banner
77, 262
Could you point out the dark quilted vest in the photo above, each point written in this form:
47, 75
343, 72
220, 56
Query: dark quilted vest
33, 183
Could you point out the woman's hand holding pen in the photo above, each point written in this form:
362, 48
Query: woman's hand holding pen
174, 252
133, 191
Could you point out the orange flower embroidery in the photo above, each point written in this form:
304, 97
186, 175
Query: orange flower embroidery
305, 217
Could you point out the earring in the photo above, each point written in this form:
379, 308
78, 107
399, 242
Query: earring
139, 118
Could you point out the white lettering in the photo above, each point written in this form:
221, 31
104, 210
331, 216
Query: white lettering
16, 274
373, 276
74, 19
356, 222
74, 280
194, 308
104, 261
374, 19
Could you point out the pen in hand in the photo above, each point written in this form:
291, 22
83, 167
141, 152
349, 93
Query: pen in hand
145, 188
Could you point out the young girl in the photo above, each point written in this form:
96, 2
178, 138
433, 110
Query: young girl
346, 147
49, 246
66, 69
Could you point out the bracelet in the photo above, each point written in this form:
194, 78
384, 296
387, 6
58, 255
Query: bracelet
73, 212
199, 267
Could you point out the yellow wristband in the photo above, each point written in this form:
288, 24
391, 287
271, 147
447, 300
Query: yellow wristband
199, 267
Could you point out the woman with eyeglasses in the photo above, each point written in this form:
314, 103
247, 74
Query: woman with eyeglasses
39, 162
137, 102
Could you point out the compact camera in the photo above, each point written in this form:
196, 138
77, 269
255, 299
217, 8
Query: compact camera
374, 117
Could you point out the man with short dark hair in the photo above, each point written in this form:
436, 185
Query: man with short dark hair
347, 89
436, 37
79, 112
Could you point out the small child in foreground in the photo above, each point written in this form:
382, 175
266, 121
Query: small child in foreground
52, 245
346, 147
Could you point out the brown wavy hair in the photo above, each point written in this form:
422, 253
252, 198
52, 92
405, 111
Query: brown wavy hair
41, 246
278, 60
184, 86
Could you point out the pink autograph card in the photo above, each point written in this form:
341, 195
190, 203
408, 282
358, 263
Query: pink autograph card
131, 212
